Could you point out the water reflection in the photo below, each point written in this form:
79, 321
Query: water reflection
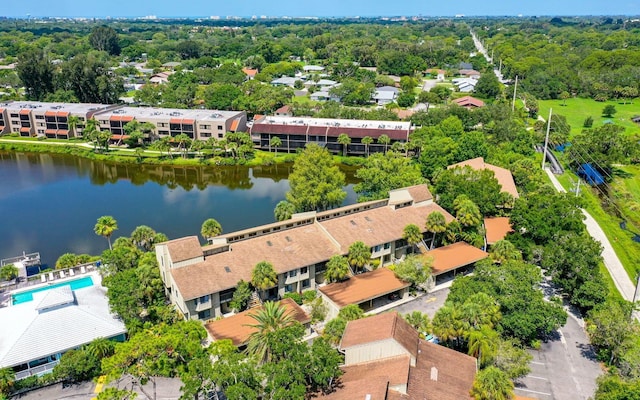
50, 202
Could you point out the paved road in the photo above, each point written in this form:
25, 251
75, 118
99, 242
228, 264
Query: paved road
565, 367
166, 389
429, 303
611, 261
429, 84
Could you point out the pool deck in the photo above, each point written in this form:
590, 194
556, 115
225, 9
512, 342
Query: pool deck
89, 270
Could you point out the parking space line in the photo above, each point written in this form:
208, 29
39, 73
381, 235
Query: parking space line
536, 377
533, 391
537, 363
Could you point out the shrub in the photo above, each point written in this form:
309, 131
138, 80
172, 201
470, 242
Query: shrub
309, 295
295, 296
588, 122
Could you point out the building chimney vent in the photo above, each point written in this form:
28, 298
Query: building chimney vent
434, 374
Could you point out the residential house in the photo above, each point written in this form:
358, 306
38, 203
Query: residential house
469, 73
324, 95
465, 85
197, 124
200, 281
238, 329
286, 81
284, 111
503, 175
386, 359
440, 73
469, 102
37, 330
160, 78
171, 65
497, 228
250, 73
448, 261
296, 132
313, 68
34, 118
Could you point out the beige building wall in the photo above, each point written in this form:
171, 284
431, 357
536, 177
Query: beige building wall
375, 351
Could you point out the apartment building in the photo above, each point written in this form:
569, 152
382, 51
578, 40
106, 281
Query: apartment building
296, 132
200, 281
197, 124
34, 118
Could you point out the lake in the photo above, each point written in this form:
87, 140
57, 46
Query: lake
49, 203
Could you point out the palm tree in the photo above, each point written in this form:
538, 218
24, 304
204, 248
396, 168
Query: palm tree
436, 223
412, 235
143, 236
504, 250
271, 318
359, 255
105, 226
492, 384
367, 140
482, 344
210, 228
480, 309
344, 140
284, 210
385, 140
183, 140
72, 122
337, 268
264, 276
275, 142
101, 348
447, 324
467, 212
453, 232
419, 320
90, 128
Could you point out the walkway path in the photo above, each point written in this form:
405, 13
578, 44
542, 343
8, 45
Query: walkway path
611, 261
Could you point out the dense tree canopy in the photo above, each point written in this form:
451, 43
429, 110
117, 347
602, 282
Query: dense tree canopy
382, 173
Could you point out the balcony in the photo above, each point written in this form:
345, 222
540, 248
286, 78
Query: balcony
39, 370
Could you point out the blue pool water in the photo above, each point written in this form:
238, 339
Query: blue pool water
27, 296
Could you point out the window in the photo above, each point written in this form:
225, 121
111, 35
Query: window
39, 116
293, 273
305, 284
204, 299
288, 288
387, 245
220, 135
15, 115
220, 127
204, 314
205, 126
376, 249
304, 270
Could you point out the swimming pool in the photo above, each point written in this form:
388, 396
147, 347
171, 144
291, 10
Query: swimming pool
27, 295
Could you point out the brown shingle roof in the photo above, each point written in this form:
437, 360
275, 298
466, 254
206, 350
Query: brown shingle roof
380, 327
363, 287
455, 374
184, 248
236, 326
454, 256
286, 250
375, 389
497, 228
379, 225
469, 101
503, 175
420, 193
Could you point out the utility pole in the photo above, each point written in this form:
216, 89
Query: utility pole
636, 297
546, 139
515, 89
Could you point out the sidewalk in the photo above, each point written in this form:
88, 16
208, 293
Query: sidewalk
622, 281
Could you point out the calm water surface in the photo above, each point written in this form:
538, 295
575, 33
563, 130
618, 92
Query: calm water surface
50, 202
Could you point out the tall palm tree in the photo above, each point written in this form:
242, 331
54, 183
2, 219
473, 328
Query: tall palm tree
480, 309
412, 235
337, 268
72, 122
105, 226
467, 212
492, 384
183, 142
264, 276
436, 223
418, 320
367, 140
448, 325
482, 344
143, 236
504, 250
385, 140
344, 140
359, 255
271, 318
210, 228
275, 142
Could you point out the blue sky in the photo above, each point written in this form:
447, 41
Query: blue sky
178, 8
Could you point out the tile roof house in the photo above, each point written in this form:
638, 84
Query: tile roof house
469, 102
238, 327
503, 175
454, 256
497, 228
200, 281
250, 73
386, 359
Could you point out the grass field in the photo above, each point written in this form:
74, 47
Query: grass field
626, 249
577, 110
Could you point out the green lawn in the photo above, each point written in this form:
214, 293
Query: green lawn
577, 110
626, 249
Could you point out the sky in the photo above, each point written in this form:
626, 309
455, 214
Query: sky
320, 8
